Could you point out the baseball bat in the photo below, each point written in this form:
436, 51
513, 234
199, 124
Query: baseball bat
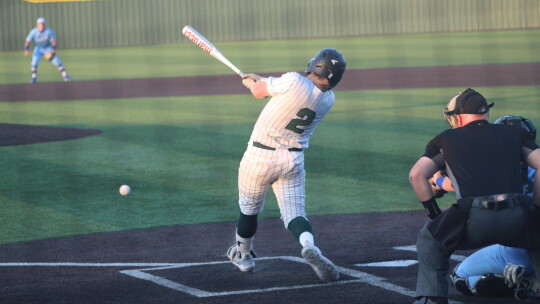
208, 47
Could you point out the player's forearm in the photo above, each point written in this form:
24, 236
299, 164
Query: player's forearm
536, 189
533, 160
422, 189
419, 178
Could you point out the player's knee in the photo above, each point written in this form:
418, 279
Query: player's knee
247, 225
56, 61
492, 285
424, 241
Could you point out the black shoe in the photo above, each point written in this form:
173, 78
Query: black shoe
491, 285
460, 283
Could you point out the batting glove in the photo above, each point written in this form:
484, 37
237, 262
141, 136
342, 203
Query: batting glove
255, 77
248, 82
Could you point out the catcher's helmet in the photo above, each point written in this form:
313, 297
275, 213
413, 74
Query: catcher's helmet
329, 64
524, 122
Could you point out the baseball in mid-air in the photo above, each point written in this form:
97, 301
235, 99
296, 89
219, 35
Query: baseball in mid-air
125, 190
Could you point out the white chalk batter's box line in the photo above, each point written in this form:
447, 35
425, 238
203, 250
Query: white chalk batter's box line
359, 276
142, 274
405, 263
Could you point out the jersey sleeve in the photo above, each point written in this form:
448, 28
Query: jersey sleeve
280, 85
434, 152
51, 34
30, 36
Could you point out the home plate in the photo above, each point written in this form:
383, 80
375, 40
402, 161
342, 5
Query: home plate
396, 263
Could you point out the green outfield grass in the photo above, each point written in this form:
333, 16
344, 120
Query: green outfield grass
180, 155
181, 159
282, 55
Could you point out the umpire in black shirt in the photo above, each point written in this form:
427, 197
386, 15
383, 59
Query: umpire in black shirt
483, 163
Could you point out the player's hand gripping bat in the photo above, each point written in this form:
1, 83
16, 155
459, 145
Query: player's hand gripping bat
208, 47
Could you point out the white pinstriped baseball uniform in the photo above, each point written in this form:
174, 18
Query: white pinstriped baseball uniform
287, 122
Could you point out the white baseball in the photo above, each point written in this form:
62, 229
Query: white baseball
125, 190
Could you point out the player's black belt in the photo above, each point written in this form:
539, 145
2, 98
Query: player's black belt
261, 146
497, 201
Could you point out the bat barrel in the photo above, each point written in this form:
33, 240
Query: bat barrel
208, 47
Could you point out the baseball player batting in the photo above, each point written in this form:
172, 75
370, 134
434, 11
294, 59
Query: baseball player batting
274, 156
44, 45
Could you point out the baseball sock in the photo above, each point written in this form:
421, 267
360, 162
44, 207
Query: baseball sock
60, 66
306, 239
245, 245
34, 74
62, 71
302, 231
246, 228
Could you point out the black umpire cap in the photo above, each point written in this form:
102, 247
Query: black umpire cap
468, 102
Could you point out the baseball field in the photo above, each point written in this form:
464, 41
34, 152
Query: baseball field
173, 123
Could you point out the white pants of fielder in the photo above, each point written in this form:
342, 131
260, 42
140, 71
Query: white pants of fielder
281, 169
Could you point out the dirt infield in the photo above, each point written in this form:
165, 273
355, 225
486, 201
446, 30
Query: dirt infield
366, 79
14, 134
186, 264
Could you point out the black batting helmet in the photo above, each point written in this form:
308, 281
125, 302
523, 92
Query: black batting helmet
522, 121
329, 64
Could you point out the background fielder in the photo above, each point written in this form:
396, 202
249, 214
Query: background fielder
274, 157
44, 45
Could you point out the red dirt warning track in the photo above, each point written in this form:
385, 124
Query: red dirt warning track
365, 79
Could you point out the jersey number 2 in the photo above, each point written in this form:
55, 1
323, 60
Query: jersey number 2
306, 117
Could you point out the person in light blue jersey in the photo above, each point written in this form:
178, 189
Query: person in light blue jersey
44, 45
